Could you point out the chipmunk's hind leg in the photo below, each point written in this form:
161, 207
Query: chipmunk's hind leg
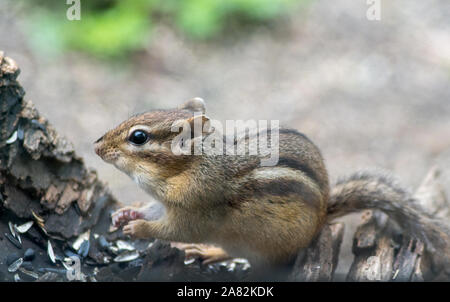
208, 253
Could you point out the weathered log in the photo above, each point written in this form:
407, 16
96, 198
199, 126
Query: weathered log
39, 170
319, 261
41, 177
407, 263
382, 253
373, 249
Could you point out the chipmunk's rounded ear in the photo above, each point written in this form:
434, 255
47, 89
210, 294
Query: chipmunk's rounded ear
196, 105
200, 121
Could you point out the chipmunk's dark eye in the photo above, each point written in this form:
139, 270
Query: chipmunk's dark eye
138, 137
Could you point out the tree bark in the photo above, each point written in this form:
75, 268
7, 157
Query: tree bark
41, 177
383, 253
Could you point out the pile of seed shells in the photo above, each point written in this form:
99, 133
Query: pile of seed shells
92, 257
66, 259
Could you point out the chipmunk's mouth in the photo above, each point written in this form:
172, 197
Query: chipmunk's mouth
111, 158
97, 149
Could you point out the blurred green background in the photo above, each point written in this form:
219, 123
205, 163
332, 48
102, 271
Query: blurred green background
113, 28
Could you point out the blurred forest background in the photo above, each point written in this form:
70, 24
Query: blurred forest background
368, 93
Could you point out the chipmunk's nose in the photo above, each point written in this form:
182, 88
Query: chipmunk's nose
99, 140
98, 146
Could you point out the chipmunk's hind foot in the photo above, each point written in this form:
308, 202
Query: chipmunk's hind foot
208, 253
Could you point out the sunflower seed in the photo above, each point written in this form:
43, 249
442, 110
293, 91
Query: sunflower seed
27, 265
84, 248
113, 250
124, 246
43, 229
29, 273
395, 274
11, 229
38, 218
50, 252
231, 267
16, 278
127, 256
104, 244
52, 270
14, 241
67, 264
77, 243
20, 133
69, 254
243, 262
19, 238
15, 265
29, 254
23, 228
12, 138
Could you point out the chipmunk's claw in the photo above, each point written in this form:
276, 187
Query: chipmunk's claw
125, 215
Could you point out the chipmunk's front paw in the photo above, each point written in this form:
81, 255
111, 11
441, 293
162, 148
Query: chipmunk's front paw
137, 229
125, 215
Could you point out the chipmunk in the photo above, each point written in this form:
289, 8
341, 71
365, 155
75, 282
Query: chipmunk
266, 214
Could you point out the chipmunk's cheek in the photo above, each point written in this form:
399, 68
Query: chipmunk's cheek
126, 165
121, 163
110, 156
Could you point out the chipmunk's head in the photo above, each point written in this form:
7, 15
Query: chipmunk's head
142, 145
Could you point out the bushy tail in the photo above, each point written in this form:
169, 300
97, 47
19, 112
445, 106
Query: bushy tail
373, 190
